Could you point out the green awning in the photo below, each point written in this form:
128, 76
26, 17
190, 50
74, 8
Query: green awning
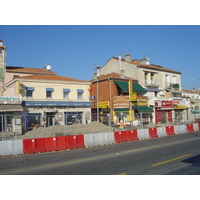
195, 111
138, 88
143, 109
121, 109
123, 86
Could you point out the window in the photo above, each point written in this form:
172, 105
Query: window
66, 93
80, 94
49, 92
29, 92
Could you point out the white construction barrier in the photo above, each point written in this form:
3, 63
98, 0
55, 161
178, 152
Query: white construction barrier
143, 134
11, 147
196, 127
177, 129
161, 131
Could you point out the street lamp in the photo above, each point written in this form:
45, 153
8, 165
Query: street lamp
98, 67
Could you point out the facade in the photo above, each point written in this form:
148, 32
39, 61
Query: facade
51, 99
2, 65
192, 101
163, 87
119, 100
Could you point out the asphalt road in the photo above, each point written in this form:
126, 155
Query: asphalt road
171, 155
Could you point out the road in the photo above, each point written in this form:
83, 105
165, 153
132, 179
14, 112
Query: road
171, 155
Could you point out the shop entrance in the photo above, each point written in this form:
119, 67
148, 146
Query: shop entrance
50, 119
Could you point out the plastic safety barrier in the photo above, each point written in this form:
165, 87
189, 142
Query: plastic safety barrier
92, 139
196, 127
170, 130
190, 128
74, 141
121, 136
132, 135
153, 132
11, 147
107, 138
161, 131
143, 134
199, 125
183, 128
55, 143
177, 129
36, 145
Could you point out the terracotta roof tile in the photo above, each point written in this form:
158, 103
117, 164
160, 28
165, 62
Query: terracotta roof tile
51, 77
153, 67
28, 70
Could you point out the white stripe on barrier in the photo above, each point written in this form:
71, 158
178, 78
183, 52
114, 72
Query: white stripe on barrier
143, 134
184, 128
11, 147
196, 127
96, 139
177, 129
161, 131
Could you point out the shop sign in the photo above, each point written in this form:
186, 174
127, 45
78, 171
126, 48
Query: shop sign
103, 104
175, 102
159, 103
133, 96
10, 100
140, 103
121, 101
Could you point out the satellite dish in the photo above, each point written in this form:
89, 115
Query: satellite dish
48, 67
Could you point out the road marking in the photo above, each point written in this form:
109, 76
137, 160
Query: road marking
122, 174
170, 160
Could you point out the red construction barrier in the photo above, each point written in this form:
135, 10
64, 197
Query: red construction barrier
55, 143
199, 125
36, 145
75, 141
153, 132
121, 136
170, 130
190, 128
132, 135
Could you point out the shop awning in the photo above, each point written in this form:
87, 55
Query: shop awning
121, 109
138, 88
123, 86
179, 107
143, 109
10, 108
195, 111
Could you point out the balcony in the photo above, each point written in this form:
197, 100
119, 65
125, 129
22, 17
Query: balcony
151, 83
172, 86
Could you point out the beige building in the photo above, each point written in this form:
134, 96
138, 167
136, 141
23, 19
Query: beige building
51, 99
2, 65
163, 86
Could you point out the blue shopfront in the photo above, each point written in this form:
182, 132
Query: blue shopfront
46, 113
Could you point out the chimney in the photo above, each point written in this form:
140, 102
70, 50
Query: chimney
120, 61
128, 57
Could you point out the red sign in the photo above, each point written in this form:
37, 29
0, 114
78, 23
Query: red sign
166, 103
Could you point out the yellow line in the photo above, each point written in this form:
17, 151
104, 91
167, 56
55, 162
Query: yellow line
170, 160
122, 174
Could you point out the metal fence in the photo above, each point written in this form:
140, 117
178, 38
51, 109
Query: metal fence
12, 126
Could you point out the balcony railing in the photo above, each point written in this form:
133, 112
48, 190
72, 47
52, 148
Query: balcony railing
151, 83
174, 86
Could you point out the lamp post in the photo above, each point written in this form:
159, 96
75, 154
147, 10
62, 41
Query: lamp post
98, 67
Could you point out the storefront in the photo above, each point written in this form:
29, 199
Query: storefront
121, 106
10, 114
163, 111
46, 113
180, 111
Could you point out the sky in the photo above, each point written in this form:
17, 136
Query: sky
75, 50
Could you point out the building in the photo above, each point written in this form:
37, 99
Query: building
192, 101
162, 86
2, 65
51, 99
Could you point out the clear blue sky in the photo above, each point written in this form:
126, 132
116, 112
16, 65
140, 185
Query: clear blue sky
74, 50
